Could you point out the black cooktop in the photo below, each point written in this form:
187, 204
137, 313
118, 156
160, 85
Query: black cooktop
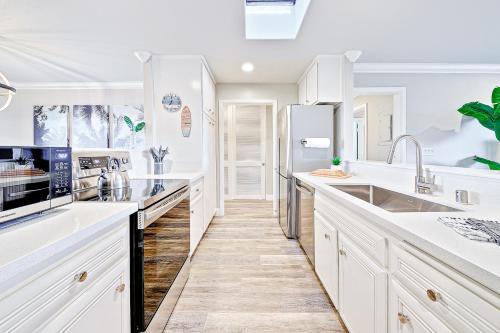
143, 191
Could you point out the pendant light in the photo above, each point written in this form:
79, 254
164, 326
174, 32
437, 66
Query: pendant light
5, 90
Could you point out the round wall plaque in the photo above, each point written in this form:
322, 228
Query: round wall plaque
171, 102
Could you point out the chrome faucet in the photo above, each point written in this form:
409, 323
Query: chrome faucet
422, 184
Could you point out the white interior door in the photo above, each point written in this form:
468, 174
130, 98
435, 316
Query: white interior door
245, 152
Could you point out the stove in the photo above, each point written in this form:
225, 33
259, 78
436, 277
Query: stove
159, 232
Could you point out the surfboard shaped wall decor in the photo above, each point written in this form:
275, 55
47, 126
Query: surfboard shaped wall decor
186, 121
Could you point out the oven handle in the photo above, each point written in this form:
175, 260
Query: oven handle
150, 217
16, 194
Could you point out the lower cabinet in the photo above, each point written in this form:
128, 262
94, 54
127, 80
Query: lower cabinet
408, 315
362, 290
87, 290
103, 308
326, 256
197, 225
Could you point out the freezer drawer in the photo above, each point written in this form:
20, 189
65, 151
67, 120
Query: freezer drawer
305, 218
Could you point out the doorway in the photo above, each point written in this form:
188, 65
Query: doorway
379, 116
247, 147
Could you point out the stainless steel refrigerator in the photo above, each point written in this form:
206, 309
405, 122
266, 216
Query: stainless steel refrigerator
297, 124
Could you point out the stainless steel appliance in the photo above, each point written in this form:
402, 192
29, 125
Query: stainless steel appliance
297, 124
305, 218
159, 233
33, 179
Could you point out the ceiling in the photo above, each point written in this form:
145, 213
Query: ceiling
94, 40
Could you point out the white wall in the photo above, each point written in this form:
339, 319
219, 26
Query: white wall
432, 103
376, 106
284, 93
16, 121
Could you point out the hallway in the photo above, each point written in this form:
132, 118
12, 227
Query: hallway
247, 277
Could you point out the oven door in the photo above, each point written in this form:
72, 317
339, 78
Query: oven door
24, 181
159, 259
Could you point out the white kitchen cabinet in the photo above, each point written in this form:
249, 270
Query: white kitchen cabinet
302, 92
322, 82
362, 290
77, 291
197, 216
326, 256
312, 84
103, 307
407, 315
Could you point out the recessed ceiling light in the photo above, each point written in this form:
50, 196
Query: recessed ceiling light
247, 67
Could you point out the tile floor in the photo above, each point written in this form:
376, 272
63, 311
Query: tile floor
247, 277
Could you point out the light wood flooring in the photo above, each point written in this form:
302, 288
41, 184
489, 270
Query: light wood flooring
247, 277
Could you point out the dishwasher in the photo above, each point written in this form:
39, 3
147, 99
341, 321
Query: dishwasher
305, 218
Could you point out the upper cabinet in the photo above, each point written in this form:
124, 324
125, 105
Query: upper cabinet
322, 83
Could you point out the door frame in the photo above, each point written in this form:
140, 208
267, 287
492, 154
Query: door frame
399, 112
223, 104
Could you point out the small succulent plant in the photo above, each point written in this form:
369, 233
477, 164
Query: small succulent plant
336, 160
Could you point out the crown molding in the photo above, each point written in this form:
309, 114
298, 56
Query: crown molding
78, 85
425, 68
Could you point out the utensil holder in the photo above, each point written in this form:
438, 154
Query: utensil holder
158, 168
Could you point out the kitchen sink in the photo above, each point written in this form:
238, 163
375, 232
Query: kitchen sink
392, 201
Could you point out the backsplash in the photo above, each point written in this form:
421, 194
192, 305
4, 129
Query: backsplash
483, 185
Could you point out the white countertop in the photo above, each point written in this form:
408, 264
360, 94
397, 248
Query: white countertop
36, 243
478, 260
191, 176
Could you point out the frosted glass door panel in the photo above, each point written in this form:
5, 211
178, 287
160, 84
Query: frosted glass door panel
247, 125
248, 181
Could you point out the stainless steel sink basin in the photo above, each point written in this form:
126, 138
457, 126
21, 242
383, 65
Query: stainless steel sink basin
392, 201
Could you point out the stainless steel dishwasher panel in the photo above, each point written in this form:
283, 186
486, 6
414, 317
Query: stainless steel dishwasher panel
305, 218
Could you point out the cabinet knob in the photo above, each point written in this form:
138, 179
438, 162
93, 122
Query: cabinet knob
192, 212
432, 295
403, 319
81, 277
120, 288
342, 252
327, 236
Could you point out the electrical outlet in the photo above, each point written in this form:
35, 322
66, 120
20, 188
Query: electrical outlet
428, 151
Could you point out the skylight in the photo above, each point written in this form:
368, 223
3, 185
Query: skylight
274, 19
270, 2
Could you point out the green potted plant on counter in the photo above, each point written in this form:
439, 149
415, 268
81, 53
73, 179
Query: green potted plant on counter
336, 163
489, 117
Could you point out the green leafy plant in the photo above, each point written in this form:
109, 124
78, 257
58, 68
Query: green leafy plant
489, 117
134, 127
336, 160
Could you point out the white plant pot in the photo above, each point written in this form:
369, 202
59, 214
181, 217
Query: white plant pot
336, 167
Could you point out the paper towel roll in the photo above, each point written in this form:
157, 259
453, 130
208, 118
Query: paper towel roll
316, 142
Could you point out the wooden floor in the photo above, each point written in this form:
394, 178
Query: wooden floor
247, 277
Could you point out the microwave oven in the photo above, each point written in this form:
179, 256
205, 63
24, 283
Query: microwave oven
33, 180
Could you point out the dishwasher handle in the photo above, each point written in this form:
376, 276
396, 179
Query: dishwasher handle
304, 190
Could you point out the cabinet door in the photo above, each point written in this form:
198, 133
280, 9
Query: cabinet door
303, 91
326, 256
312, 85
362, 290
407, 315
103, 308
197, 222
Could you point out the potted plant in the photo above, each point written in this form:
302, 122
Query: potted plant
489, 117
336, 164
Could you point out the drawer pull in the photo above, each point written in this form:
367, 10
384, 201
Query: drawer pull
120, 288
327, 236
342, 252
403, 319
192, 212
432, 295
81, 277
197, 190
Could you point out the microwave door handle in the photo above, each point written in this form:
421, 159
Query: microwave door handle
16, 194
150, 217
